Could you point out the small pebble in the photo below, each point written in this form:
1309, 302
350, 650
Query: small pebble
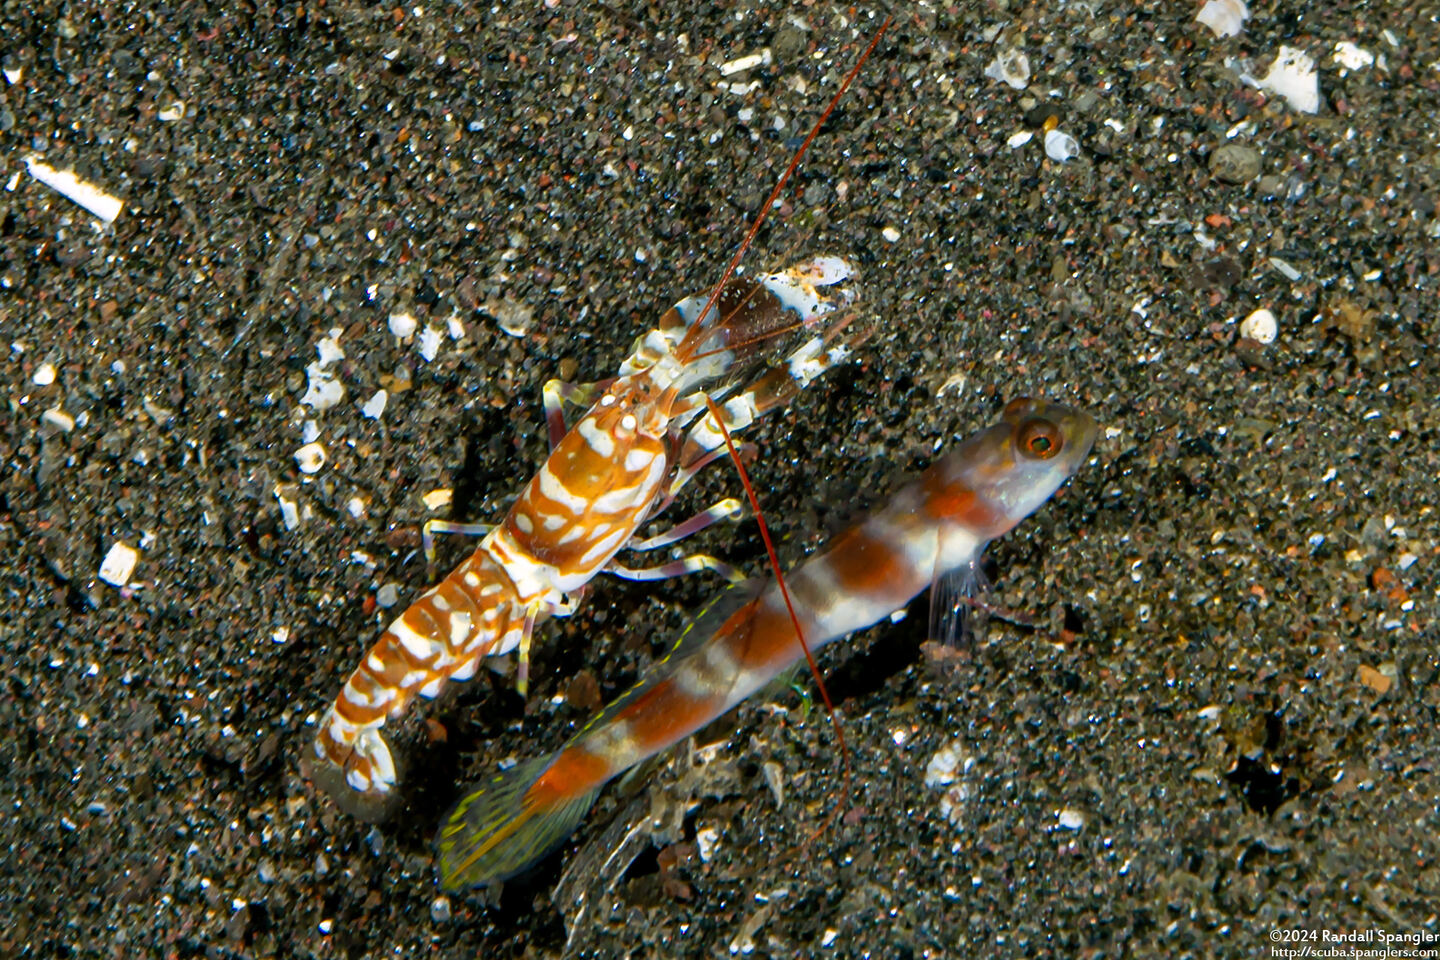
440, 910
890, 234
44, 375
1235, 163
388, 595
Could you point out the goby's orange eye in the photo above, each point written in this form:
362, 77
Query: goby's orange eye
1040, 439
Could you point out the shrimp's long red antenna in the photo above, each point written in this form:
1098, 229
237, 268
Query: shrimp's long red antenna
794, 164
839, 728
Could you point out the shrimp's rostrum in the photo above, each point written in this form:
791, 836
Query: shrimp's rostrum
643, 437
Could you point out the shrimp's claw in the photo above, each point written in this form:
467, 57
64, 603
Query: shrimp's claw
374, 805
507, 825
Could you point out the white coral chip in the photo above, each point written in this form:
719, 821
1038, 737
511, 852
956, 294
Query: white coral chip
1011, 67
1225, 18
1293, 77
119, 564
943, 768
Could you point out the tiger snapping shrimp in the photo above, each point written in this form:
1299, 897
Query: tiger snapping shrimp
644, 436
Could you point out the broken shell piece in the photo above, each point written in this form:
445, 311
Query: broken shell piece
1260, 326
375, 406
1060, 146
429, 343
58, 419
323, 391
44, 375
119, 564
1010, 66
92, 198
748, 62
310, 457
1352, 57
1293, 77
1225, 18
1019, 139
171, 112
436, 499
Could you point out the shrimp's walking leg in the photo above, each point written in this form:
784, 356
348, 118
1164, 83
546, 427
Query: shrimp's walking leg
729, 507
432, 527
677, 568
522, 670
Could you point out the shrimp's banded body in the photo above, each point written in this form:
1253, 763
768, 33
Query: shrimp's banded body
934, 527
619, 465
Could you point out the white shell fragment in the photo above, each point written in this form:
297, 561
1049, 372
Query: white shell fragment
436, 499
1260, 326
44, 375
171, 112
289, 509
748, 62
310, 458
324, 390
103, 205
944, 768
1019, 139
1060, 146
890, 234
403, 325
430, 339
119, 564
1293, 77
58, 419
1011, 67
1069, 819
1225, 18
1352, 57
375, 406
